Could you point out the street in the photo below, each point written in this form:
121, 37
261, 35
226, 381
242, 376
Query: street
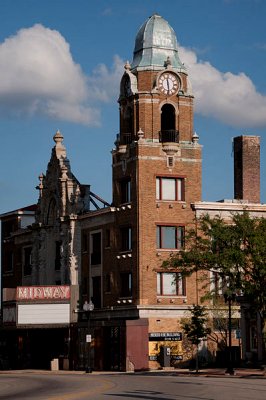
145, 386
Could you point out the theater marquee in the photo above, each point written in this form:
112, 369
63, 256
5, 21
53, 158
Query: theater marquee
43, 293
43, 305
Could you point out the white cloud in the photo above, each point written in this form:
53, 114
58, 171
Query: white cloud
230, 98
39, 76
104, 82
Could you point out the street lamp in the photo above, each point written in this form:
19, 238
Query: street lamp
229, 297
87, 308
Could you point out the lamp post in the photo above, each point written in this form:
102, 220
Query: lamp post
88, 307
229, 297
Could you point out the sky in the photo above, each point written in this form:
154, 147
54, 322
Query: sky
61, 62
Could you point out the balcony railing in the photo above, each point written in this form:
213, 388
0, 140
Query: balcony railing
170, 135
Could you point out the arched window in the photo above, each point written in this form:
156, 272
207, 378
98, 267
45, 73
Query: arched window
167, 117
127, 135
168, 124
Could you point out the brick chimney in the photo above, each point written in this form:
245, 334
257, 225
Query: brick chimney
247, 168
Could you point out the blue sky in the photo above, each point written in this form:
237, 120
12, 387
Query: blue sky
60, 65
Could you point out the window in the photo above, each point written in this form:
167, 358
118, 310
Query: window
170, 284
96, 248
96, 291
168, 117
125, 284
7, 228
126, 239
170, 237
170, 189
125, 191
27, 262
218, 283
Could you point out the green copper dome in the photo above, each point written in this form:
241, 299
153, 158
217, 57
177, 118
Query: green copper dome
156, 45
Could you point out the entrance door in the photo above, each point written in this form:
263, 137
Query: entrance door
46, 344
113, 348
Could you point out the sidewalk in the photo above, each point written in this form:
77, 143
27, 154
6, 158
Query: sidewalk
238, 372
210, 372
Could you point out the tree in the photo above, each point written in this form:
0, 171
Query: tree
218, 325
196, 329
234, 254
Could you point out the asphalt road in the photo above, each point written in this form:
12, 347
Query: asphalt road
148, 386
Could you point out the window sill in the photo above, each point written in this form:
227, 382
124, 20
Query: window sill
158, 251
124, 300
174, 299
124, 254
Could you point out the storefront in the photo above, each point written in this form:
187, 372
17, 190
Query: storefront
36, 327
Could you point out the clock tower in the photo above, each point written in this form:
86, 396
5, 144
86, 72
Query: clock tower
156, 164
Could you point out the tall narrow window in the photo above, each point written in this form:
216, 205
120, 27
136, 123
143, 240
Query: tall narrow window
170, 237
97, 291
125, 284
96, 245
170, 284
125, 191
126, 238
171, 189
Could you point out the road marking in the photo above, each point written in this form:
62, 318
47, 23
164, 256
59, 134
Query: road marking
104, 385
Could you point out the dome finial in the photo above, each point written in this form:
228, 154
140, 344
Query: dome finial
58, 137
195, 138
127, 66
60, 149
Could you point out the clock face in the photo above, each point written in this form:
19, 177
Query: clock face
168, 83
